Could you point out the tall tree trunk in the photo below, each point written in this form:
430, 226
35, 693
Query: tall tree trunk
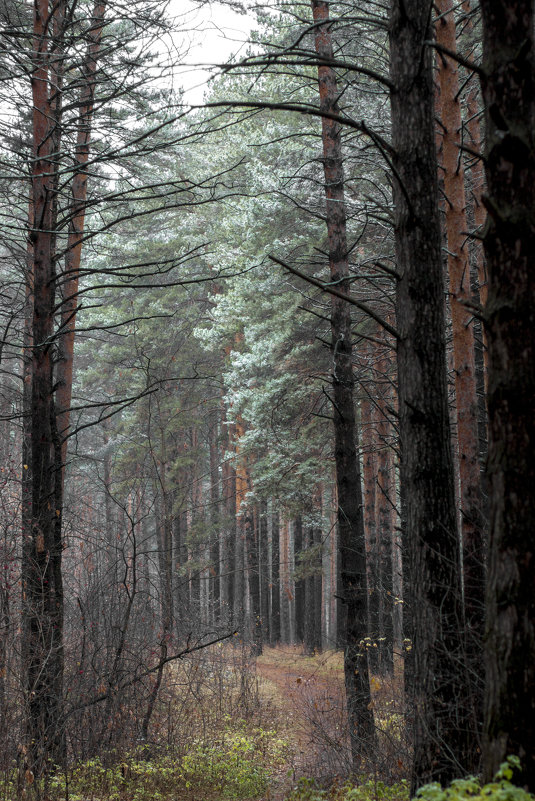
384, 507
275, 615
508, 85
308, 599
252, 545
473, 113
299, 584
64, 367
263, 566
312, 610
164, 538
182, 594
317, 542
215, 517
235, 575
227, 534
443, 741
350, 514
369, 474
290, 561
42, 607
284, 584
242, 532
466, 401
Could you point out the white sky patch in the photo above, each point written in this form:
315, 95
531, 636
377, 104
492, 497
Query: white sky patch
213, 34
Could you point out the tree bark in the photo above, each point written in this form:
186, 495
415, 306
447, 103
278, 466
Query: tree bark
441, 732
275, 614
508, 85
64, 367
263, 567
309, 608
215, 518
348, 481
317, 542
466, 401
42, 585
284, 584
369, 474
384, 508
299, 584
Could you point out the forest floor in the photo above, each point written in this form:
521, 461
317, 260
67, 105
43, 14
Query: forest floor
307, 696
246, 729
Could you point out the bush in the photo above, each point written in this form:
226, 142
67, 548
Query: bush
235, 769
367, 789
501, 789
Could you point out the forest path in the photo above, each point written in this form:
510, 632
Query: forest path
307, 692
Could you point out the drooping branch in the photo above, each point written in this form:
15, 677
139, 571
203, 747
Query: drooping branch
331, 290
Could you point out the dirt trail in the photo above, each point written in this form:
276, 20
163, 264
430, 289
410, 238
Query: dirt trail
309, 695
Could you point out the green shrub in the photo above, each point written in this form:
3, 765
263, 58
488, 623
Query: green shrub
470, 789
501, 789
366, 789
237, 768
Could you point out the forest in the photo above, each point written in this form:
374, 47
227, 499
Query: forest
267, 402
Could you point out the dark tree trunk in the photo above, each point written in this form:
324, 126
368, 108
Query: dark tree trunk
369, 475
284, 584
350, 512
228, 533
317, 540
263, 569
251, 534
509, 93
275, 616
215, 526
384, 507
183, 594
242, 531
232, 536
163, 527
42, 607
443, 742
298, 581
309, 606
239, 583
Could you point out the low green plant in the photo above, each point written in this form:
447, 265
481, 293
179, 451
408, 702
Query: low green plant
469, 789
364, 789
238, 767
501, 789
89, 780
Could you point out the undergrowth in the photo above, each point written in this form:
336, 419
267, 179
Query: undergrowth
205, 751
469, 789
364, 788
501, 789
236, 767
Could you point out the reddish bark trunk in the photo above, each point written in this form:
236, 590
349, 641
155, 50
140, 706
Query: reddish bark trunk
473, 112
64, 369
466, 403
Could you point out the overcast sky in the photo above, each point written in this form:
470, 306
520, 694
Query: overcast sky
214, 33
